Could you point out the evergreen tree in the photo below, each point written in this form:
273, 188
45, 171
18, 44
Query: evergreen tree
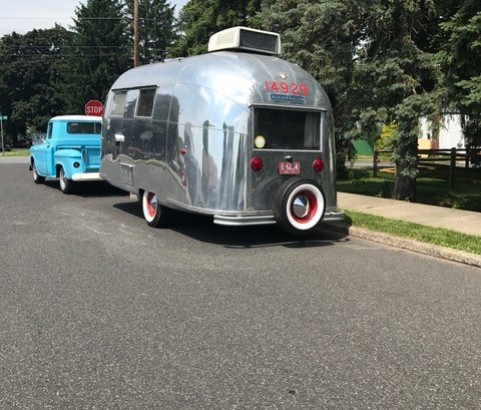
156, 29
99, 52
401, 69
324, 38
376, 59
462, 65
199, 19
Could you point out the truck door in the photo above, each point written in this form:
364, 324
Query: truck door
44, 154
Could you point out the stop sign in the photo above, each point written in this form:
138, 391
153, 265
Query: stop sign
94, 107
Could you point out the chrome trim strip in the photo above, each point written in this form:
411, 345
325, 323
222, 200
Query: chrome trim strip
244, 220
333, 216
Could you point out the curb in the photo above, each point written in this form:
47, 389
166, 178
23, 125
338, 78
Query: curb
411, 245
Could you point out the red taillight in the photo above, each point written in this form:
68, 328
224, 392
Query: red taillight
257, 164
318, 165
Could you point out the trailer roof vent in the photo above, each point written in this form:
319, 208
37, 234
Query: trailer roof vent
247, 39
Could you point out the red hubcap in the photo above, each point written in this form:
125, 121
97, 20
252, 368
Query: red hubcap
304, 206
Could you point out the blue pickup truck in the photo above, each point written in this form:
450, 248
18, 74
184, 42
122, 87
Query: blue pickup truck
70, 151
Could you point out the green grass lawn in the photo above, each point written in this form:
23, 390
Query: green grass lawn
432, 186
427, 234
16, 152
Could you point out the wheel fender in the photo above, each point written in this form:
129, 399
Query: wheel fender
299, 205
65, 159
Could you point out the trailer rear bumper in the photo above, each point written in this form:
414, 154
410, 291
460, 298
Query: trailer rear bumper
244, 220
267, 219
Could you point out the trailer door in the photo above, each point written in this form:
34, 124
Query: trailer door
113, 131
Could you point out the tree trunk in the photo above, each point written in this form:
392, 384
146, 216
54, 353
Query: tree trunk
404, 186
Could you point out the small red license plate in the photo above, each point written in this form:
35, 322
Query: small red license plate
289, 168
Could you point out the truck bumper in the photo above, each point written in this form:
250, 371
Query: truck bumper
87, 176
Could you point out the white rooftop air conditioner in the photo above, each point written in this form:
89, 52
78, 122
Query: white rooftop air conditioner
246, 39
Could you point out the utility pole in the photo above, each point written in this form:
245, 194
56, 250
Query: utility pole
136, 33
2, 117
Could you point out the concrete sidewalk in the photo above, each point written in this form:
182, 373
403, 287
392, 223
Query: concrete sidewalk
452, 219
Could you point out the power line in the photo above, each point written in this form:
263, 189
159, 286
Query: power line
55, 47
59, 18
70, 18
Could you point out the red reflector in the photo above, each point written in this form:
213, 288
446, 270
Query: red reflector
257, 164
318, 165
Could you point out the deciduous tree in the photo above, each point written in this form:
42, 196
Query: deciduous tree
28, 74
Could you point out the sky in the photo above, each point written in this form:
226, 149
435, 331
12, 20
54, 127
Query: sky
25, 15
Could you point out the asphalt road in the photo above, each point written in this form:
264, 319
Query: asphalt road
99, 311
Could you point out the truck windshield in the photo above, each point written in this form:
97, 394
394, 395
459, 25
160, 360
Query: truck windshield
286, 129
84, 128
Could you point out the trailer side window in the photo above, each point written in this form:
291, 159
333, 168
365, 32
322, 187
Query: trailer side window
118, 103
146, 103
286, 130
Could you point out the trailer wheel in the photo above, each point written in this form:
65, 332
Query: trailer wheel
155, 214
66, 185
38, 179
299, 205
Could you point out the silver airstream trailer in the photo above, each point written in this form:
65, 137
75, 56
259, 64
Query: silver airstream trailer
238, 134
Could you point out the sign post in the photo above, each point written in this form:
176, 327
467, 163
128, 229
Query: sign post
2, 118
94, 107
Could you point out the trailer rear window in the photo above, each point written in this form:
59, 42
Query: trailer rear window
84, 128
286, 130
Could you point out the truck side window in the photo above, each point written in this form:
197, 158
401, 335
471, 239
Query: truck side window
146, 103
49, 131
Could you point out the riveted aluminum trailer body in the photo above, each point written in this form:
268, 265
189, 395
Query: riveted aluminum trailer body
204, 134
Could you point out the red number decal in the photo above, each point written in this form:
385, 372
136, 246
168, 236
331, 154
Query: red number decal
304, 89
286, 88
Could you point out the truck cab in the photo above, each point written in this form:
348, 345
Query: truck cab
69, 152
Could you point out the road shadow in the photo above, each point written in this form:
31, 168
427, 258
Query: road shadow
202, 228
89, 189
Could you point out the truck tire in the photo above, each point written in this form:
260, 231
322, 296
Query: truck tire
66, 185
38, 179
299, 205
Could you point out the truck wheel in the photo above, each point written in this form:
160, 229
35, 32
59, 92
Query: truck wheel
299, 205
38, 179
66, 185
155, 214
